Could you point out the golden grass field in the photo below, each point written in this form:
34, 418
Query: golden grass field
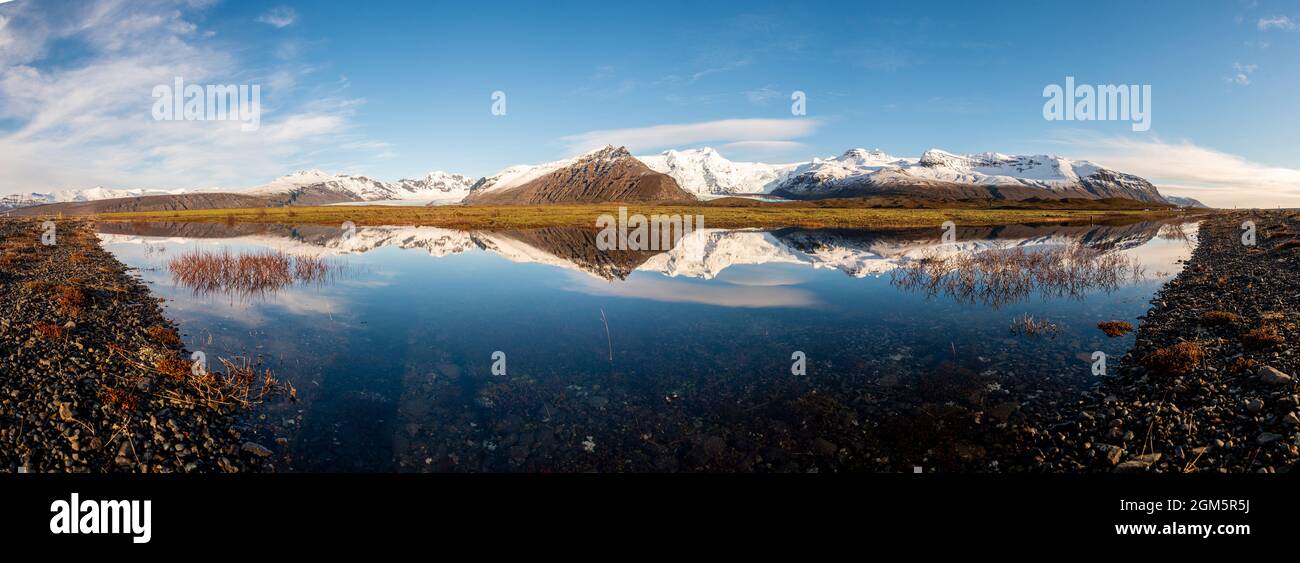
508, 217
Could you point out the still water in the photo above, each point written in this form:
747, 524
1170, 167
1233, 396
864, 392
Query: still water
652, 361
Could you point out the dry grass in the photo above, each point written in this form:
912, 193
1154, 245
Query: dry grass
17, 255
243, 384
1288, 245
71, 300
164, 335
312, 269
999, 276
1173, 232
1219, 318
240, 386
1177, 360
50, 331
246, 274
118, 398
1263, 336
1115, 328
1029, 326
173, 367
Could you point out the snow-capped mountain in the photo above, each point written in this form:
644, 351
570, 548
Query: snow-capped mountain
520, 174
610, 174
436, 186
1186, 202
704, 172
603, 175
935, 174
15, 201
303, 187
938, 173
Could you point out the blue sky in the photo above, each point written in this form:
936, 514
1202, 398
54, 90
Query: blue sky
399, 88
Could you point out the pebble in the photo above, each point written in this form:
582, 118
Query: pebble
1268, 374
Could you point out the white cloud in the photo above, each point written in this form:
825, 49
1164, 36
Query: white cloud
1284, 23
1215, 177
1242, 76
761, 96
90, 123
726, 67
643, 139
887, 59
764, 150
280, 16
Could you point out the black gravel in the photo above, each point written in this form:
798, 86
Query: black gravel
1235, 409
79, 337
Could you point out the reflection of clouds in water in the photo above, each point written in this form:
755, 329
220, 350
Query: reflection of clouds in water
252, 313
364, 284
766, 277
675, 291
1160, 255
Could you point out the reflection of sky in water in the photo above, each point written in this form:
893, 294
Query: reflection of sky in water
349, 344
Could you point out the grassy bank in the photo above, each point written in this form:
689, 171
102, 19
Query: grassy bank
489, 217
94, 378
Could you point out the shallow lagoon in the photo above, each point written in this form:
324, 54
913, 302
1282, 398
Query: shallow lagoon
645, 361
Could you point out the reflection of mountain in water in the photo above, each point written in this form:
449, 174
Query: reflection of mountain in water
703, 254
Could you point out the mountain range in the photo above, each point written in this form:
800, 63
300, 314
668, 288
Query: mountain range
614, 174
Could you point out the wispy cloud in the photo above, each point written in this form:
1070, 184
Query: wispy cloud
729, 66
1284, 23
1243, 73
88, 123
606, 84
677, 135
1218, 178
280, 16
761, 96
881, 58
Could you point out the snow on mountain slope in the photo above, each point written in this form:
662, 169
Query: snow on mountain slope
1186, 202
704, 172
823, 173
16, 201
433, 187
520, 174
436, 187
603, 175
995, 169
938, 173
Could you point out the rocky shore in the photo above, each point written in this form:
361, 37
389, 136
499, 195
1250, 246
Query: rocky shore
93, 378
1211, 383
